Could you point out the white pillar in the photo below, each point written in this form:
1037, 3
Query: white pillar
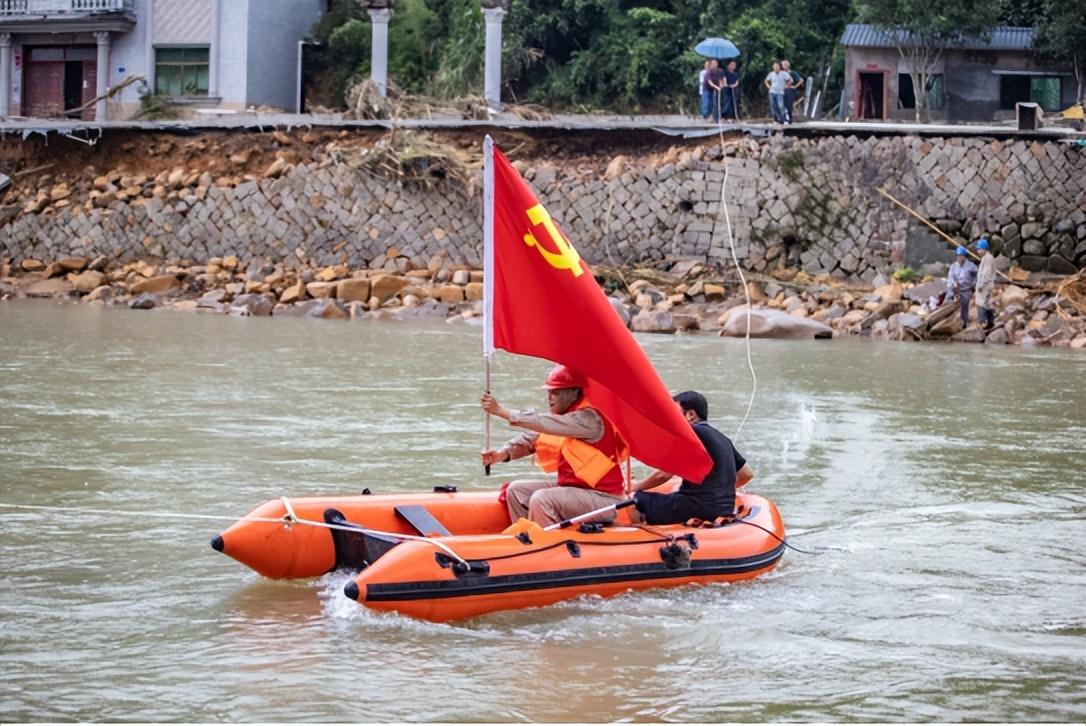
5, 74
149, 45
213, 54
379, 17
493, 74
103, 75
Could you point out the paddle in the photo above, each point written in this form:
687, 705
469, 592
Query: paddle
589, 515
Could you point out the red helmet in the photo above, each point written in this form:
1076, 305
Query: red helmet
563, 377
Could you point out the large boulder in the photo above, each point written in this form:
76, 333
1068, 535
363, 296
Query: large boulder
353, 290
450, 294
1013, 294
889, 293
384, 287
251, 304
921, 293
293, 294
320, 290
73, 264
102, 293
970, 335
620, 309
653, 321
473, 291
772, 324
86, 282
146, 301
330, 310
158, 285
50, 287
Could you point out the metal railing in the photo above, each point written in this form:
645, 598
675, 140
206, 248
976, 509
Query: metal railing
62, 7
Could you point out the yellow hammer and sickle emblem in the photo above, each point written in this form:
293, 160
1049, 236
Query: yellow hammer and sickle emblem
567, 257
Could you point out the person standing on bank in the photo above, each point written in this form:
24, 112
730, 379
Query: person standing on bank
705, 94
714, 79
960, 280
776, 82
985, 286
731, 93
712, 497
795, 80
575, 441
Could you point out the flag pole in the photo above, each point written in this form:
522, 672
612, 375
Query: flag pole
488, 278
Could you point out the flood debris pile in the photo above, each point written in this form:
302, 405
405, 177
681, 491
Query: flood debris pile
690, 298
412, 159
365, 101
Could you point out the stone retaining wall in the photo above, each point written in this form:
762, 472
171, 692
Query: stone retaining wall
802, 202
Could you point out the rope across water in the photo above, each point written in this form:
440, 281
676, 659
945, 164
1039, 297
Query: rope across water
739, 269
289, 519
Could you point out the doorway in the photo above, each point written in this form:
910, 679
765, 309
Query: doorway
73, 87
872, 96
57, 81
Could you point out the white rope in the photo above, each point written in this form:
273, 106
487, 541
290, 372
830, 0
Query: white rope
735, 260
290, 518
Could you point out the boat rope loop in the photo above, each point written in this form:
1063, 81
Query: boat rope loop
288, 520
739, 269
666, 539
291, 518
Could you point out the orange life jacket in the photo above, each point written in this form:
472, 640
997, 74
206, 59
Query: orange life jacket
581, 464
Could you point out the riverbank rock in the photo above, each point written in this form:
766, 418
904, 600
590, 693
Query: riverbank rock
620, 309
293, 293
353, 290
329, 310
970, 335
1012, 295
146, 301
86, 282
772, 324
102, 293
251, 304
385, 287
653, 321
158, 285
49, 287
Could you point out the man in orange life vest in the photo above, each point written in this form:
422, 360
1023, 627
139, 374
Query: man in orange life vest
573, 440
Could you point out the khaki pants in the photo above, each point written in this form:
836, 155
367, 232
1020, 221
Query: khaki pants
543, 501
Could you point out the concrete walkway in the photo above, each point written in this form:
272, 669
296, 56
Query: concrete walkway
669, 125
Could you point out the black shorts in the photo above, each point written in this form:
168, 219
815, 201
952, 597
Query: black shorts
676, 508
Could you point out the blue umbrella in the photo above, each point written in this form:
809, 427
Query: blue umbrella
717, 48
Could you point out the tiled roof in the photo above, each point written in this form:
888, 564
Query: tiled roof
1003, 37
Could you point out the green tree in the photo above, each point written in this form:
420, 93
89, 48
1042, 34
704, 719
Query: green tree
1061, 37
621, 55
460, 52
921, 29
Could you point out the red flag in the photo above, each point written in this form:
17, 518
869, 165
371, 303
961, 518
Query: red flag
543, 301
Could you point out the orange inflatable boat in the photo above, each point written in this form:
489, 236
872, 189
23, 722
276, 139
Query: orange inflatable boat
443, 555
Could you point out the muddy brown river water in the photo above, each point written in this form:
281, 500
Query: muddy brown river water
942, 487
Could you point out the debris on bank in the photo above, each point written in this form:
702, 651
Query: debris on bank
688, 298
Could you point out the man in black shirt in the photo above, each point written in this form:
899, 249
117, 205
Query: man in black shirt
708, 499
730, 86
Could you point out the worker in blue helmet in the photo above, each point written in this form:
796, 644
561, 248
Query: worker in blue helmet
986, 273
960, 280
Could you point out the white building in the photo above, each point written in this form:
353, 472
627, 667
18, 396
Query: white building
59, 55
